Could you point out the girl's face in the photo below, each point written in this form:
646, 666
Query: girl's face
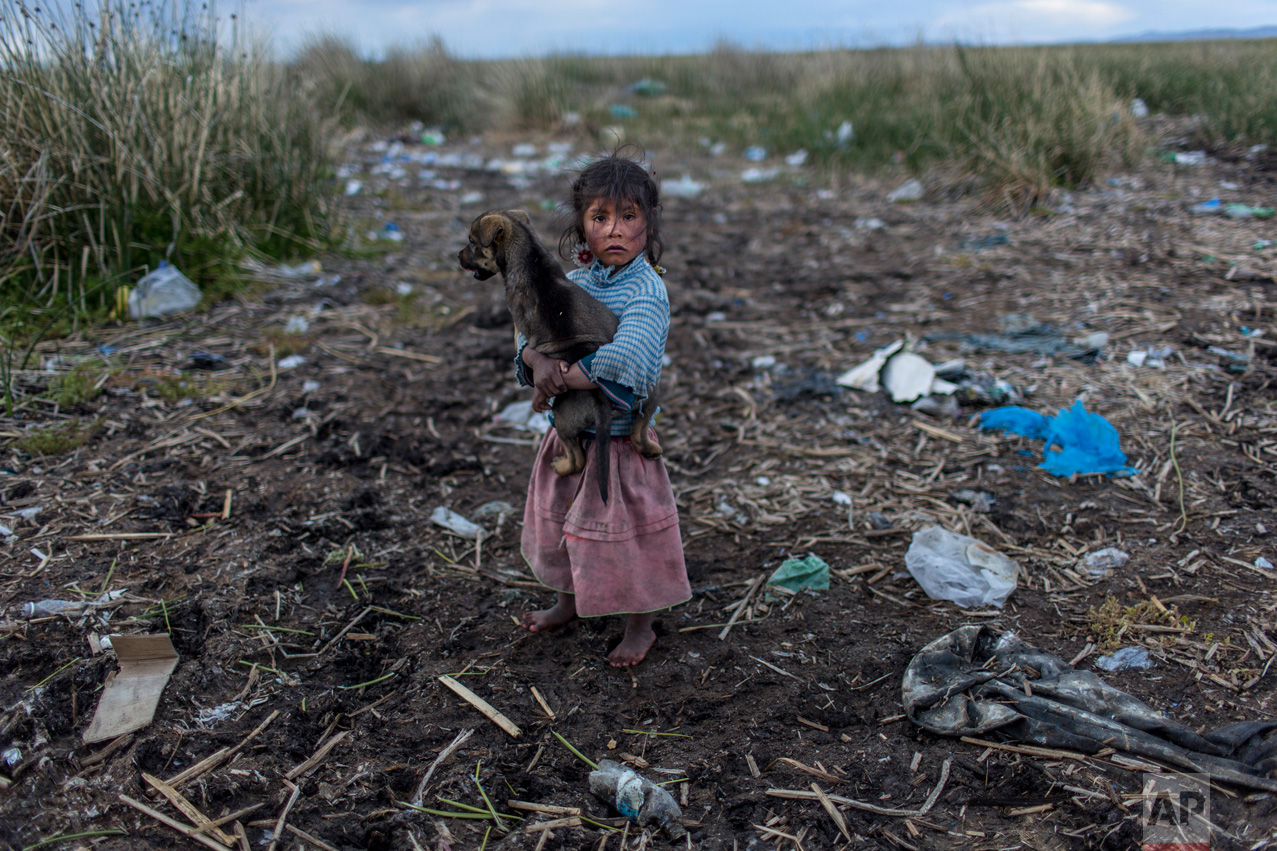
615, 231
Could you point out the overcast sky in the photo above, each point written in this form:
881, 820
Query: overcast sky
509, 28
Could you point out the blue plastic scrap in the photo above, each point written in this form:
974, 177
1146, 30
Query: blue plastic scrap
1077, 441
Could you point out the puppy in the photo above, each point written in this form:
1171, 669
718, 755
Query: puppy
559, 319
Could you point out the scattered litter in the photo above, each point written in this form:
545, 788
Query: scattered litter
205, 361
1150, 356
1096, 340
432, 137
5, 531
389, 233
796, 574
45, 608
730, 512
636, 798
310, 385
454, 522
805, 385
908, 376
963, 570
974, 681
473, 197
524, 149
797, 158
130, 697
905, 375
979, 243
209, 717
353, 186
755, 153
298, 270
291, 362
496, 508
684, 187
11, 757
296, 325
164, 292
521, 416
1103, 562
648, 87
1245, 211
880, 521
1188, 157
621, 110
845, 135
869, 224
759, 175
29, 513
1126, 659
1263, 563
1233, 211
763, 362
981, 501
1021, 334
1077, 441
1139, 108
906, 192
865, 376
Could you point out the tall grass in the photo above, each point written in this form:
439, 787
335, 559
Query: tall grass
140, 132
1016, 122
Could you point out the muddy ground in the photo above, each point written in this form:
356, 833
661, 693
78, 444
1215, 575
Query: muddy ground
254, 485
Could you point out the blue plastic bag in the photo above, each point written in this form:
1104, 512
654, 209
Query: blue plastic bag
1077, 441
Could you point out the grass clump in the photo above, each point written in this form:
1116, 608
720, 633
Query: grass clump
135, 133
61, 439
283, 341
78, 387
1112, 624
177, 388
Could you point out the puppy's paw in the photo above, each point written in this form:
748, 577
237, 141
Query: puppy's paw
648, 448
563, 465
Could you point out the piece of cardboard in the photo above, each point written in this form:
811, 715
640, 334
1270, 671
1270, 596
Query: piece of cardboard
131, 696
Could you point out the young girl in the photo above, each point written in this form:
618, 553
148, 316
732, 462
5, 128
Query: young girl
625, 556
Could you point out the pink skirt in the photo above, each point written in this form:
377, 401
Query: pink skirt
625, 557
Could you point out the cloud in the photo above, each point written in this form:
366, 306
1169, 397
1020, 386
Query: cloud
1033, 21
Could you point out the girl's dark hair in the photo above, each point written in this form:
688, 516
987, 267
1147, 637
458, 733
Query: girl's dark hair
619, 176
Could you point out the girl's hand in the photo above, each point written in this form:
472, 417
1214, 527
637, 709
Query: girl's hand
547, 377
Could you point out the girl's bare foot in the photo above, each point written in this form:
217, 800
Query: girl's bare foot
557, 615
639, 638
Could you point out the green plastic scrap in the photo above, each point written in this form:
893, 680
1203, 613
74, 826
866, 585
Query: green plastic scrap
796, 574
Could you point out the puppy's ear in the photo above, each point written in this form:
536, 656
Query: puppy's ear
521, 215
490, 227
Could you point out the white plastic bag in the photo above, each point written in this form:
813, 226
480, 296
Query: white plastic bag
954, 567
164, 292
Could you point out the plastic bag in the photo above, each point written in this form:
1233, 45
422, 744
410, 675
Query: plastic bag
796, 574
954, 567
164, 292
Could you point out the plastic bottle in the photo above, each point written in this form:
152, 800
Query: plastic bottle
637, 798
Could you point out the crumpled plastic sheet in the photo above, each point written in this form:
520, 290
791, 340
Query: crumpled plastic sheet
971, 681
1077, 441
1023, 337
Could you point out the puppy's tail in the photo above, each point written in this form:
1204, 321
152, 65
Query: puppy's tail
602, 440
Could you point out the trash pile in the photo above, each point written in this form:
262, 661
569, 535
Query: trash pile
909, 377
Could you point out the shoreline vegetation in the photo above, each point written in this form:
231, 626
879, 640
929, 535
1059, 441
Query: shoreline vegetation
163, 131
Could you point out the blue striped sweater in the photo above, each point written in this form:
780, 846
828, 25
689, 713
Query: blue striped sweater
628, 368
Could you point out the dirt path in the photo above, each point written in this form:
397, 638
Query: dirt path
261, 485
